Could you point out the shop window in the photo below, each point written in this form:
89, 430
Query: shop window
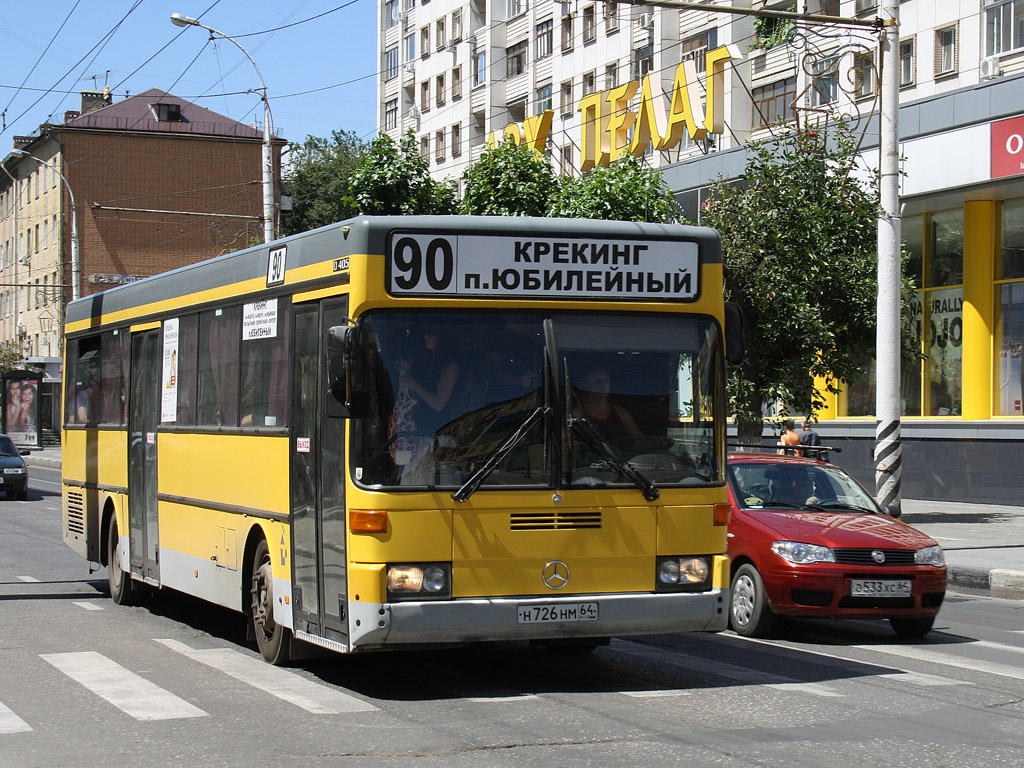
1010, 340
946, 265
1011, 265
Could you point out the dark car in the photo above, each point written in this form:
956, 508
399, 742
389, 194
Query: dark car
13, 472
806, 539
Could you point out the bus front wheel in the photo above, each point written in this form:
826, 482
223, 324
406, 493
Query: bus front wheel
122, 590
273, 639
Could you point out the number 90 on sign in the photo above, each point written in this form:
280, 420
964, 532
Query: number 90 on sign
422, 264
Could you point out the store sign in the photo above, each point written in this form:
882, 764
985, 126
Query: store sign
608, 122
1008, 147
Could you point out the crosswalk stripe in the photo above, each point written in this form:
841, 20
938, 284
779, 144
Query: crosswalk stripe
10, 722
29, 579
127, 691
960, 662
899, 675
657, 694
88, 606
285, 685
730, 671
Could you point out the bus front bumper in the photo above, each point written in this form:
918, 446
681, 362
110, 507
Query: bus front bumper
468, 620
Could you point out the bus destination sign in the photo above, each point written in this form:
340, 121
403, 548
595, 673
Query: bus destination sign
509, 267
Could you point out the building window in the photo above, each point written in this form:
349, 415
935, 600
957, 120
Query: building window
908, 62
46, 232
945, 51
567, 39
457, 140
589, 24
456, 83
565, 104
863, 6
825, 81
611, 16
439, 93
515, 8
695, 49
565, 159
479, 68
864, 75
611, 76
589, 82
773, 103
439, 146
391, 63
392, 13
425, 96
391, 115
543, 99
544, 38
440, 35
424, 146
409, 42
54, 242
515, 59
457, 24
643, 61
425, 42
167, 113
1004, 26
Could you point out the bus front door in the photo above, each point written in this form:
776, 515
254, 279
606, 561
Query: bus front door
319, 557
143, 417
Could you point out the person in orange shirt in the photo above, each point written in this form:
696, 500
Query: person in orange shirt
790, 438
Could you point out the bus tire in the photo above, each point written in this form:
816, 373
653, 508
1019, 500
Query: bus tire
122, 589
274, 640
749, 612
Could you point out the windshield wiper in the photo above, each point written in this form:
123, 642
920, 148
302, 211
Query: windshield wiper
590, 433
470, 486
826, 505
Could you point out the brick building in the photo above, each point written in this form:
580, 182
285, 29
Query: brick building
157, 182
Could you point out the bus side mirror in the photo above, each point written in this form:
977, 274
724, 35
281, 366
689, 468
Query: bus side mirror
734, 349
342, 401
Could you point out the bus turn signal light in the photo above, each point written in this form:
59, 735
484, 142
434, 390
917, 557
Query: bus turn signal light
723, 512
368, 520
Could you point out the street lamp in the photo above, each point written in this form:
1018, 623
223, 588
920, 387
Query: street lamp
75, 293
181, 20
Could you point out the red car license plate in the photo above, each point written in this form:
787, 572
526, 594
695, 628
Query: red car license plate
880, 587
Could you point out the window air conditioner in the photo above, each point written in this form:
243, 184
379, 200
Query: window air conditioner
410, 67
990, 68
645, 20
450, 45
413, 113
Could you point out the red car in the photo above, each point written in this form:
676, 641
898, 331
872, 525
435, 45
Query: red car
806, 539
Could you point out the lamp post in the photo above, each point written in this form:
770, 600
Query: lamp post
181, 20
75, 279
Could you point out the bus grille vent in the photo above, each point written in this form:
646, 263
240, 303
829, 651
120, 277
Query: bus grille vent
76, 512
551, 521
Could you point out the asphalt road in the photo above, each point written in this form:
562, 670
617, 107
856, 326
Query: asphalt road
173, 683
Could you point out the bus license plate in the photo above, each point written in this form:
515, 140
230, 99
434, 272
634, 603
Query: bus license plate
880, 588
542, 614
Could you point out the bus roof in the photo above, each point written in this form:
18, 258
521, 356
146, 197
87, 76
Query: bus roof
246, 272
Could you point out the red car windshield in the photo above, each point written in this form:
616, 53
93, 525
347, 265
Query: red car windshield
793, 485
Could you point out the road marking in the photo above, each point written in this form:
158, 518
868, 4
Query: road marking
657, 694
730, 671
502, 699
897, 674
10, 722
960, 662
285, 685
995, 646
88, 606
127, 691
29, 579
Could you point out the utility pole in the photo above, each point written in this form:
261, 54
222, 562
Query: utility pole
888, 452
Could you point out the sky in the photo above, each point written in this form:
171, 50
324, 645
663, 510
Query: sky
320, 73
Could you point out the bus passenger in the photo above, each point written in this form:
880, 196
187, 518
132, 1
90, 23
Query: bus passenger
613, 421
430, 378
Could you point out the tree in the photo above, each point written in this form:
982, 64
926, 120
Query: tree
508, 180
625, 190
395, 179
800, 250
318, 181
12, 355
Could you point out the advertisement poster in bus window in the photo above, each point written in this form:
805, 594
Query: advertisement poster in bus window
22, 408
169, 379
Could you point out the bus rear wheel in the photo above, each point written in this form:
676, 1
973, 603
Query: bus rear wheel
272, 638
122, 590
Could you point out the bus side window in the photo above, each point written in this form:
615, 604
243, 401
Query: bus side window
219, 337
114, 376
264, 377
87, 387
188, 341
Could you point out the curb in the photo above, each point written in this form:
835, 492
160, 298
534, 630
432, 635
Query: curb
997, 582
38, 461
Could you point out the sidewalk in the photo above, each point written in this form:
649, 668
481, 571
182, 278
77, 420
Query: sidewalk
984, 543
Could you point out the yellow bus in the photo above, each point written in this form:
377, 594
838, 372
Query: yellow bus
399, 432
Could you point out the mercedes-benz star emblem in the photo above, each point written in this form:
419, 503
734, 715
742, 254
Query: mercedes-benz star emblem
555, 574
878, 556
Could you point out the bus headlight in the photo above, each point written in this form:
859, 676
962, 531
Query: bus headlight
683, 574
419, 581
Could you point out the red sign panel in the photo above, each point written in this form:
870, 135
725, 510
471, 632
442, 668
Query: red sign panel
1008, 147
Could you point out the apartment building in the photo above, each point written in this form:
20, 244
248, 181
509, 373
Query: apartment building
156, 181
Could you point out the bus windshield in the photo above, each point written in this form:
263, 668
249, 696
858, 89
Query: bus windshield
538, 400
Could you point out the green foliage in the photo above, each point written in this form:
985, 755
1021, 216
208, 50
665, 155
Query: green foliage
769, 32
394, 179
625, 190
318, 181
800, 247
12, 355
509, 180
